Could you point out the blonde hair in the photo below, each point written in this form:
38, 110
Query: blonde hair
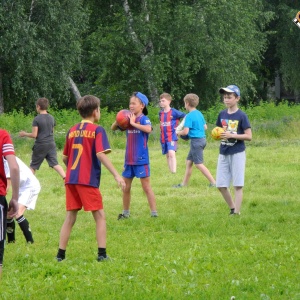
191, 99
166, 96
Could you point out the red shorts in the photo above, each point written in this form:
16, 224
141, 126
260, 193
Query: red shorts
78, 196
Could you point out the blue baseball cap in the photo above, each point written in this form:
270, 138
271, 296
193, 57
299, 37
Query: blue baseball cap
144, 100
230, 89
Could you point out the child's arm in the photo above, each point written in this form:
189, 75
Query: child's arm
15, 182
144, 128
185, 131
246, 136
114, 126
32, 134
109, 166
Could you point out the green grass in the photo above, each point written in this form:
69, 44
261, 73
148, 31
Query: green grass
193, 250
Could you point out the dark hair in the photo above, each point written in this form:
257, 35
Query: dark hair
87, 104
145, 110
43, 103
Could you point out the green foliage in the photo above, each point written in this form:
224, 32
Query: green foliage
39, 48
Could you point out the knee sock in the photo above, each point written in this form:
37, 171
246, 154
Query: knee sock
10, 230
24, 225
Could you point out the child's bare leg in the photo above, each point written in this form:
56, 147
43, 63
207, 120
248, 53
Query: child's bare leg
60, 171
227, 196
99, 217
238, 194
127, 193
206, 173
149, 193
67, 228
188, 172
171, 158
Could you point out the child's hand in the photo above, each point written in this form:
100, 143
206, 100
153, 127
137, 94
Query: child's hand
22, 133
132, 118
121, 182
13, 208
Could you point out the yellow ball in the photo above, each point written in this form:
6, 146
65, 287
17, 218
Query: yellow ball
216, 133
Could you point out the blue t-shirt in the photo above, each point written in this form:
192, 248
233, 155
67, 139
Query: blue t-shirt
137, 143
195, 121
237, 122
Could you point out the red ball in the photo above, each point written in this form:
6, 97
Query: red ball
122, 118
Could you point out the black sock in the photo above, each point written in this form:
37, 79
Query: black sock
231, 211
102, 252
61, 254
24, 225
10, 230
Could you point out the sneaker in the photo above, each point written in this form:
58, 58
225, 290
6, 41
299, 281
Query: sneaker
234, 214
211, 185
58, 258
102, 258
122, 216
179, 185
154, 215
231, 212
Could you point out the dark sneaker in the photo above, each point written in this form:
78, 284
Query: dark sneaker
122, 216
58, 258
102, 258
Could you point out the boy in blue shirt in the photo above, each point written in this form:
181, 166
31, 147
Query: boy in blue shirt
194, 127
232, 157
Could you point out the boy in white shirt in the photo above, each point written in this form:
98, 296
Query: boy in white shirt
28, 194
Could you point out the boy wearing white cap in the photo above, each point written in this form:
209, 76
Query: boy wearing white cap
232, 157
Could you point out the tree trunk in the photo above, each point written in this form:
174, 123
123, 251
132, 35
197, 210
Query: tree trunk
74, 89
147, 53
1, 96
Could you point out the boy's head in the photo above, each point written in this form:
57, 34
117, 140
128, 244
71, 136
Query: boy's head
165, 100
191, 99
143, 100
43, 103
230, 89
86, 105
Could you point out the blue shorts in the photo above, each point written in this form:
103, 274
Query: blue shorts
137, 171
165, 147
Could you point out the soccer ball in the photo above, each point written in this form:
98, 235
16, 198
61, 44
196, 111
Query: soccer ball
216, 133
122, 118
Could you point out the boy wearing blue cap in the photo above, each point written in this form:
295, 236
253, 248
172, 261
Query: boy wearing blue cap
232, 157
136, 154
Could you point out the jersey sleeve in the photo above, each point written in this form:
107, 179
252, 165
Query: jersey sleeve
102, 143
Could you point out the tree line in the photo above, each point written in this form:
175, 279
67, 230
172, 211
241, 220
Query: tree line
63, 48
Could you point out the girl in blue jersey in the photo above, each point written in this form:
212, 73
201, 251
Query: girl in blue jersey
136, 155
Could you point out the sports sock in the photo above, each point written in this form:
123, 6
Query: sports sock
231, 211
10, 230
61, 254
126, 213
102, 252
154, 213
24, 225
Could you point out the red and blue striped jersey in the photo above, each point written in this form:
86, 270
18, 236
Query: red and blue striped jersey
7, 148
83, 142
168, 122
137, 143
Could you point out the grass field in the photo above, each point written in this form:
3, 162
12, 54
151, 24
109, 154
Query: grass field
193, 250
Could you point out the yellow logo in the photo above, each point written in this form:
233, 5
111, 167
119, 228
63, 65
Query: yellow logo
296, 20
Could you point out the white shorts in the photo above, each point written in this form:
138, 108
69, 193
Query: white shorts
231, 168
28, 197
